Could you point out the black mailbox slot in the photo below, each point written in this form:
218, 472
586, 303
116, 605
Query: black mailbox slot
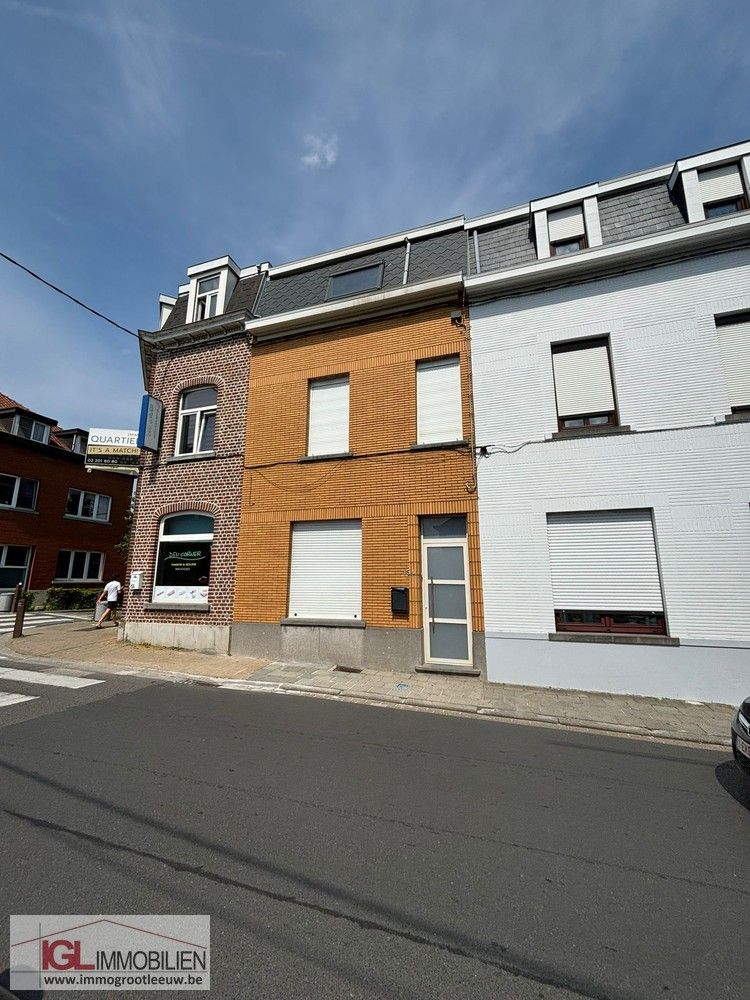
400, 600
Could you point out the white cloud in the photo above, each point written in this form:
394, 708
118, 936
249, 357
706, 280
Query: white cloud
321, 152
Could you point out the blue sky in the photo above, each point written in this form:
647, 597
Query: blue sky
142, 137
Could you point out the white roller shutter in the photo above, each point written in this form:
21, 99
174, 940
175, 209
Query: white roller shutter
604, 561
566, 224
328, 418
734, 340
720, 183
583, 382
439, 416
326, 570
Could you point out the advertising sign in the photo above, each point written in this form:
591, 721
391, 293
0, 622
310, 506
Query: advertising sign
113, 450
149, 427
109, 953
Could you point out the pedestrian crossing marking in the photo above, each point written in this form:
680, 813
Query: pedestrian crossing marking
53, 680
14, 699
34, 619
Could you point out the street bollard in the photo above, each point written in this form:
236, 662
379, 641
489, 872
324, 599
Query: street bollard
20, 613
16, 597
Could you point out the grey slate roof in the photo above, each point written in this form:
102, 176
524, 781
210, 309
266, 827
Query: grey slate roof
627, 215
507, 245
243, 297
302, 289
435, 256
429, 257
178, 316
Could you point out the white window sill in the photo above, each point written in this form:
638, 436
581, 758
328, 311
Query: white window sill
329, 456
176, 606
17, 510
88, 520
78, 583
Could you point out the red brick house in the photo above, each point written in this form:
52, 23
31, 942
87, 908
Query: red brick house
58, 524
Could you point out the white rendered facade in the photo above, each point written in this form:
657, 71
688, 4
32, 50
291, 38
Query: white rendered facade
681, 459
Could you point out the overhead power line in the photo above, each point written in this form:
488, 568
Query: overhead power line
67, 295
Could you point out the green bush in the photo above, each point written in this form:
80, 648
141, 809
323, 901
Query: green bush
71, 598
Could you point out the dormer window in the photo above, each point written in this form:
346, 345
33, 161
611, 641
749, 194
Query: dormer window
207, 298
32, 430
722, 192
565, 223
712, 185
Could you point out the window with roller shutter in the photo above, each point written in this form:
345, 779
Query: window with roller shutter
567, 230
733, 332
722, 191
326, 570
328, 416
439, 414
583, 384
605, 573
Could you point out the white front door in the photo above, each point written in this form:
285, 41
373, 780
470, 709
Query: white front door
446, 597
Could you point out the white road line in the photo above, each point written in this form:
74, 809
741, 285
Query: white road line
14, 699
53, 680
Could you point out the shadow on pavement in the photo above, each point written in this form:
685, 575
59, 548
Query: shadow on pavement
733, 781
6, 994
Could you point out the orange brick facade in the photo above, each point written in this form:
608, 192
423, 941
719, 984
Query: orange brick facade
385, 484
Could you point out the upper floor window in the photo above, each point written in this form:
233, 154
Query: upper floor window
183, 559
197, 421
15, 491
92, 506
77, 565
583, 384
207, 297
722, 191
439, 412
362, 279
32, 430
328, 416
567, 230
733, 331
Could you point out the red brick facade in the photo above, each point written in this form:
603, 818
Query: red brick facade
46, 529
201, 484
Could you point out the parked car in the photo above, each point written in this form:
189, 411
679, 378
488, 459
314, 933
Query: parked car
741, 737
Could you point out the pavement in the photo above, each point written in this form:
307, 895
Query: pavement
78, 644
351, 852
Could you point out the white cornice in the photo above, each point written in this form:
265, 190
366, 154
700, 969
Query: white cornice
167, 300
213, 265
361, 307
360, 248
581, 266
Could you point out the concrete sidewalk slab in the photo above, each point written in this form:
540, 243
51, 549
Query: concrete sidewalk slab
78, 645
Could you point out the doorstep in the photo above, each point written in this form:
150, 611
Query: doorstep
460, 669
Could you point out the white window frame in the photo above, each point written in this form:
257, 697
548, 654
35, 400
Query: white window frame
158, 592
207, 303
314, 416
85, 578
200, 413
425, 364
578, 346
3, 565
34, 424
79, 515
13, 505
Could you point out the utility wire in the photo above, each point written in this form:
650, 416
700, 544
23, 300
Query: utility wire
67, 295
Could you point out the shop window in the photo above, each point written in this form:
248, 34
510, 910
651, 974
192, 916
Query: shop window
183, 559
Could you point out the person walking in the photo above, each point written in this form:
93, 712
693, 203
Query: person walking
110, 594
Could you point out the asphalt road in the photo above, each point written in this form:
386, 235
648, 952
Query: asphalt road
348, 851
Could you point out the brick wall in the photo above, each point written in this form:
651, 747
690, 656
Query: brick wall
211, 485
47, 529
388, 492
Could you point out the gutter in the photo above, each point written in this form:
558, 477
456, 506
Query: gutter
217, 326
675, 244
345, 311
